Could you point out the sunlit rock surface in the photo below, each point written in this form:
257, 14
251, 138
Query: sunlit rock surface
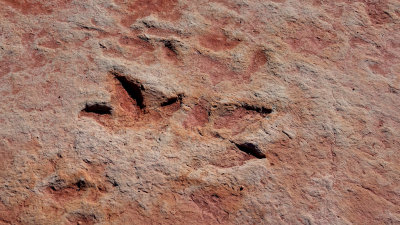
199, 112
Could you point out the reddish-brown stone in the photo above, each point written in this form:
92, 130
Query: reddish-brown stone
199, 112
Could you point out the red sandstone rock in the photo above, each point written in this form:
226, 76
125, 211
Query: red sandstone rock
199, 112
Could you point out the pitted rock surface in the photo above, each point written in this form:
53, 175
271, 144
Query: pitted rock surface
199, 112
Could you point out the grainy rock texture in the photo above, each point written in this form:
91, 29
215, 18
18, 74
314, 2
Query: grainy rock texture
199, 112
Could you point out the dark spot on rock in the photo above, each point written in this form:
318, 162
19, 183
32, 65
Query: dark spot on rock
81, 184
393, 90
143, 38
251, 149
215, 196
98, 108
170, 45
287, 134
87, 161
53, 188
147, 24
115, 184
173, 100
134, 89
260, 109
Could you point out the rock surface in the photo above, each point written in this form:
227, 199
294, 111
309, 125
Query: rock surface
200, 112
